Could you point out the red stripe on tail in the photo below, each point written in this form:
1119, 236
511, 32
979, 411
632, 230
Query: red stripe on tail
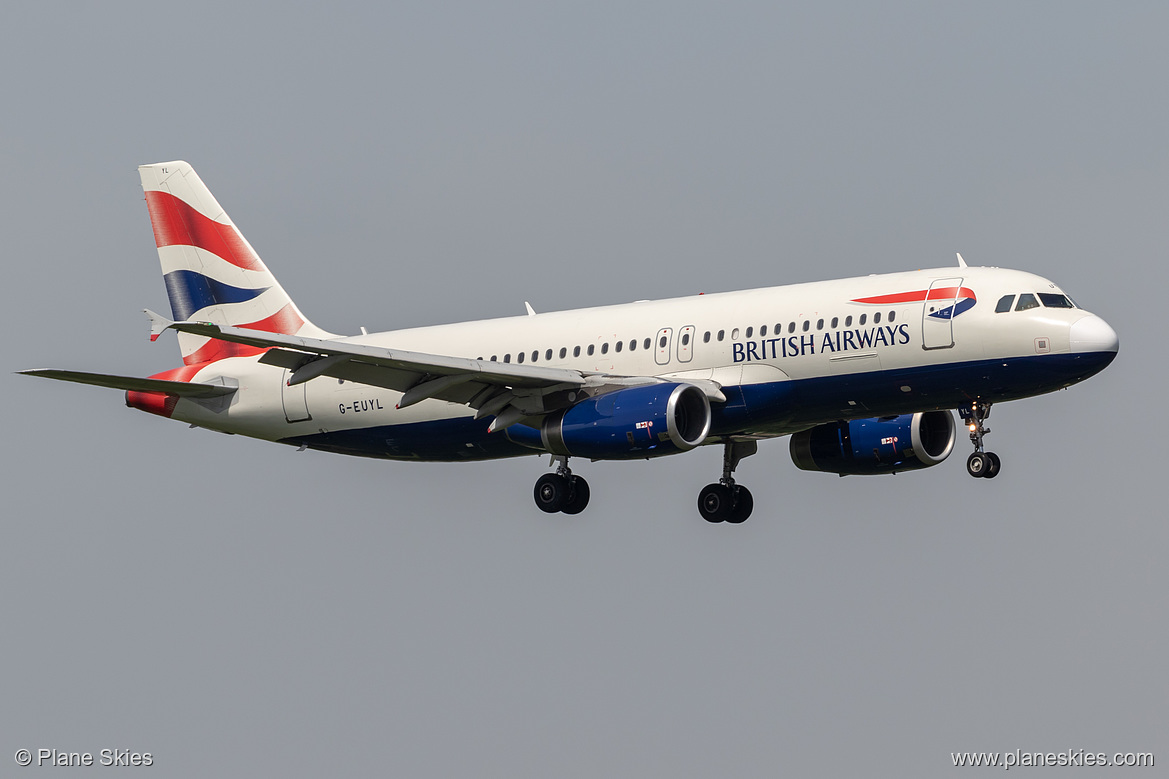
285, 321
177, 224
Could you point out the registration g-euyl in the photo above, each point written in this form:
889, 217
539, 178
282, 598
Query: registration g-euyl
862, 373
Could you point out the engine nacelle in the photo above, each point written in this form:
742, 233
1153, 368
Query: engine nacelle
872, 446
647, 421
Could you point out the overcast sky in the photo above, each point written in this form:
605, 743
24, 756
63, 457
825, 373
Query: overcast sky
238, 608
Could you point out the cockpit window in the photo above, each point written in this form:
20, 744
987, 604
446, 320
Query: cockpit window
1004, 304
1052, 300
1026, 301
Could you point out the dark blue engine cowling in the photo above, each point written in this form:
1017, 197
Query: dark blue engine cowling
633, 423
873, 446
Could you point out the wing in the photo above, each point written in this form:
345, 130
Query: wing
510, 392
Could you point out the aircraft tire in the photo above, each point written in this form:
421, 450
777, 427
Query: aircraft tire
994, 466
977, 465
551, 492
715, 503
743, 506
578, 496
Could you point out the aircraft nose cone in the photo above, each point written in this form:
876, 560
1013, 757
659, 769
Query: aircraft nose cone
1093, 334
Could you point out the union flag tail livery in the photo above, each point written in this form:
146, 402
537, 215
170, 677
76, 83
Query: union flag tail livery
212, 273
863, 374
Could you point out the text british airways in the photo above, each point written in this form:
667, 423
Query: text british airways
835, 341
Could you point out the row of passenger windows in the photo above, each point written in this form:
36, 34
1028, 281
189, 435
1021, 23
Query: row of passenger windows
805, 327
1027, 300
590, 350
777, 331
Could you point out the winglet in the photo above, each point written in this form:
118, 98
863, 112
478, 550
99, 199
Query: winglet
158, 323
961, 262
531, 311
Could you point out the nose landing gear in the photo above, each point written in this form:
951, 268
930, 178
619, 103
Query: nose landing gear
561, 491
981, 464
727, 501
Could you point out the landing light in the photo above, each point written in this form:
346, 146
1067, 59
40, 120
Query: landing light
973, 428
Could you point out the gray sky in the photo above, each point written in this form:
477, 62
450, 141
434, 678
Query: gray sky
236, 607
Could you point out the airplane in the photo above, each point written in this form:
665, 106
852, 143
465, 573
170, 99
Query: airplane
863, 373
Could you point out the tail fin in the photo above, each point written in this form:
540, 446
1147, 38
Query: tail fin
211, 272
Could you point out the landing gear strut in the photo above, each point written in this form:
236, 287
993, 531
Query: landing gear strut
981, 464
561, 491
727, 501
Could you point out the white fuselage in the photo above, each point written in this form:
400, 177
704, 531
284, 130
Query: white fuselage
842, 357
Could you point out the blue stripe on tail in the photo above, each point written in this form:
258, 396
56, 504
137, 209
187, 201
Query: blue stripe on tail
190, 291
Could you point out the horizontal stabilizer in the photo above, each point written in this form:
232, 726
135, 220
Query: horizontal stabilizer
181, 388
158, 323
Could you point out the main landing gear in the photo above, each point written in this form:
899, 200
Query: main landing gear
727, 501
561, 491
981, 464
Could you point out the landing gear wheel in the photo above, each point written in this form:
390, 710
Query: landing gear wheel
981, 464
578, 495
744, 503
995, 465
715, 503
978, 464
551, 492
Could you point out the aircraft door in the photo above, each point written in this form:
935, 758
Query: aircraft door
662, 346
295, 399
685, 343
937, 318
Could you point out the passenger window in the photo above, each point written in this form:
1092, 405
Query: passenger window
685, 339
1052, 300
877, 318
863, 318
835, 322
892, 315
592, 347
493, 358
507, 358
519, 357
763, 331
620, 345
706, 337
807, 325
535, 356
563, 352
576, 351
819, 324
750, 330
721, 334
605, 348
662, 342
848, 321
548, 354
735, 334
633, 345
1026, 301
646, 344
1004, 304
791, 327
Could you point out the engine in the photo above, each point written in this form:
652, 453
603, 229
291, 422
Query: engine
633, 423
873, 446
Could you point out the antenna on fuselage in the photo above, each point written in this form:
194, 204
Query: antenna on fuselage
961, 262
